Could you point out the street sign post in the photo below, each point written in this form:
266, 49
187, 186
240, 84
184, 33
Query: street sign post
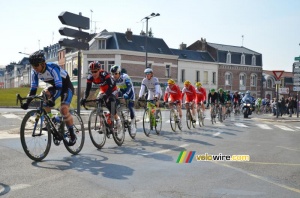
297, 58
80, 42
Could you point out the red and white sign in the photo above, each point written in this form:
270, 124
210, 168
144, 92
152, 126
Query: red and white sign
284, 90
278, 74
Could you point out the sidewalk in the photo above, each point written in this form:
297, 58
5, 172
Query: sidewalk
283, 118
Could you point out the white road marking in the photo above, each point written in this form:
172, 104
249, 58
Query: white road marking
291, 149
263, 126
165, 150
240, 124
217, 134
19, 186
284, 128
10, 115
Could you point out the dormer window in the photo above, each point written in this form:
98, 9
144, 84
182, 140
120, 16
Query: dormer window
243, 59
228, 57
253, 60
102, 44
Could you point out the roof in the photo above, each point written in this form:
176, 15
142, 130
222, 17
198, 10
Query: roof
231, 48
193, 55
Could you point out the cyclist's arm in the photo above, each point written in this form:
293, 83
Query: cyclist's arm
111, 84
142, 90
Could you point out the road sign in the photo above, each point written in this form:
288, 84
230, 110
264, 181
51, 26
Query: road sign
296, 70
283, 90
297, 58
296, 64
74, 20
297, 75
296, 83
74, 33
73, 44
278, 74
296, 88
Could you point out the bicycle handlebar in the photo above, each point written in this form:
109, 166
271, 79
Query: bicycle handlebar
19, 98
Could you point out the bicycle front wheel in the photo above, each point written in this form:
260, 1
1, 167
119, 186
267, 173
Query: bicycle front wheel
188, 119
78, 128
199, 117
158, 122
147, 125
173, 120
97, 129
119, 132
36, 143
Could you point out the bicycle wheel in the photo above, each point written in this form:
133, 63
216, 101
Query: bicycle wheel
119, 132
97, 129
199, 117
158, 121
131, 126
147, 125
220, 115
173, 120
188, 119
37, 146
79, 132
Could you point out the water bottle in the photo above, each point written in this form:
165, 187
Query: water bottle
57, 119
108, 120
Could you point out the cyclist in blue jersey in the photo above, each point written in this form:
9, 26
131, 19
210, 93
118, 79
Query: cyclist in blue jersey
126, 89
60, 86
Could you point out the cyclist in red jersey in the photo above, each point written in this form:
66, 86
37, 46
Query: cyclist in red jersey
108, 89
172, 94
190, 92
200, 96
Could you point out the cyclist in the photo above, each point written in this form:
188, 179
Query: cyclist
190, 92
213, 99
108, 89
173, 93
222, 99
200, 97
126, 89
60, 86
236, 100
228, 101
258, 103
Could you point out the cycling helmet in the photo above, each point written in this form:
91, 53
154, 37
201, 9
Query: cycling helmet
221, 90
248, 92
171, 81
212, 90
115, 69
37, 58
187, 82
95, 66
148, 70
198, 84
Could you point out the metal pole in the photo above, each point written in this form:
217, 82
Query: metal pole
297, 101
277, 108
79, 77
146, 45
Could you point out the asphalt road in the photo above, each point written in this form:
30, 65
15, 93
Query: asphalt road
146, 167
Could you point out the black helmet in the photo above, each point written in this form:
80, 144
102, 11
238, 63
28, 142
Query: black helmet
94, 66
37, 58
115, 69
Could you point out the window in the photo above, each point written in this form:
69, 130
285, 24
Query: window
243, 59
110, 64
228, 78
182, 75
253, 80
102, 64
205, 77
242, 79
228, 58
214, 76
197, 76
253, 60
269, 83
101, 44
168, 72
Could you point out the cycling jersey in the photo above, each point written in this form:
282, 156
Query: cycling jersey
107, 84
222, 98
59, 80
200, 95
190, 93
125, 86
174, 93
213, 98
153, 88
236, 98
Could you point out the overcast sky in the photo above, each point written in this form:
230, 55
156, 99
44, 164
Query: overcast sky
270, 27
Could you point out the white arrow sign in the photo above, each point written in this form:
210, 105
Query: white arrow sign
296, 88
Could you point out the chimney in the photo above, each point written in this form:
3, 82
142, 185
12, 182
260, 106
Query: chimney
182, 46
203, 45
142, 33
128, 35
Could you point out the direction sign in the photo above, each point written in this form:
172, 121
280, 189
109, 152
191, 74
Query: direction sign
296, 64
297, 58
74, 33
73, 44
278, 74
74, 20
296, 70
296, 88
296, 79
278, 82
297, 75
296, 83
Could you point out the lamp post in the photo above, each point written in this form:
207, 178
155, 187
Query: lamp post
146, 42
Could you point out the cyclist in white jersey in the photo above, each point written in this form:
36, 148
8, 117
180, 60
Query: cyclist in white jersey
152, 84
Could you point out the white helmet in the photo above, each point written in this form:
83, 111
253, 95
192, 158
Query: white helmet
148, 70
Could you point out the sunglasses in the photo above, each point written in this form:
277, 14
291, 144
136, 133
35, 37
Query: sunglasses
93, 72
148, 73
115, 74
